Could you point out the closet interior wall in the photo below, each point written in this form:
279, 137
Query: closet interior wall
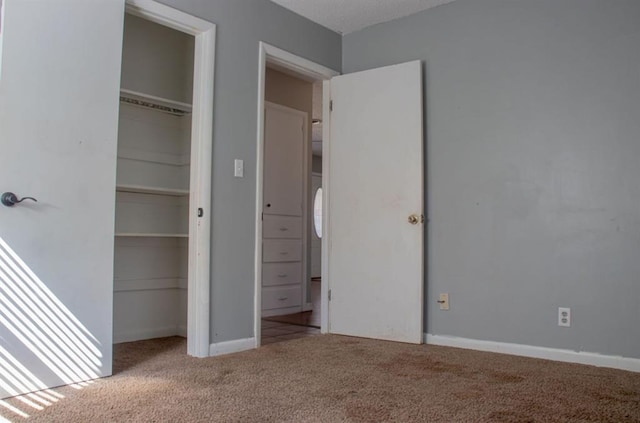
152, 194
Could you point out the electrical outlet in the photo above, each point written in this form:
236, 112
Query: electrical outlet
444, 301
564, 316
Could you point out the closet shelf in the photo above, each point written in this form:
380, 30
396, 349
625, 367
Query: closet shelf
160, 104
140, 189
151, 235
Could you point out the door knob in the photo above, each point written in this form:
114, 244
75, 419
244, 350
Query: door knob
414, 219
9, 199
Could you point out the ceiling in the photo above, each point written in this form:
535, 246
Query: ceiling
345, 16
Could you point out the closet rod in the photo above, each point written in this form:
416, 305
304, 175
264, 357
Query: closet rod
156, 103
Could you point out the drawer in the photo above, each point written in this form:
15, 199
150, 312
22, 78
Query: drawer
281, 273
275, 250
282, 227
281, 297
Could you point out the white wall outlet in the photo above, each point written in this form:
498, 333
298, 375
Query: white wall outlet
564, 316
238, 168
444, 301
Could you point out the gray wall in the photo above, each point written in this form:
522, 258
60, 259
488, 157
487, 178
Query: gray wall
157, 60
533, 182
289, 91
241, 24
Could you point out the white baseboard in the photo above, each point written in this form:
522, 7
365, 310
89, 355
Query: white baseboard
569, 356
307, 307
182, 331
142, 334
281, 311
234, 346
146, 285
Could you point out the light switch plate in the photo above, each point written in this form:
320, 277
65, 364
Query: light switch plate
238, 168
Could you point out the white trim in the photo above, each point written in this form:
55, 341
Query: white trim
307, 307
229, 347
281, 311
147, 285
150, 333
303, 67
257, 295
168, 16
182, 331
199, 309
311, 71
568, 356
326, 200
307, 157
198, 313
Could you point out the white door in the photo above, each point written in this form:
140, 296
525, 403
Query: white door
59, 85
376, 176
283, 160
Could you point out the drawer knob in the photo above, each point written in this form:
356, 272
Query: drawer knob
283, 229
282, 275
283, 298
284, 253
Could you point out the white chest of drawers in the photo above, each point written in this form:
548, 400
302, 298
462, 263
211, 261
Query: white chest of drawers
282, 265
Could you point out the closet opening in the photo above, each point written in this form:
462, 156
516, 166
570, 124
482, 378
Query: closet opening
163, 177
152, 182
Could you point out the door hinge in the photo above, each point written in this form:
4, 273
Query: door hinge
329, 295
331, 105
200, 212
262, 217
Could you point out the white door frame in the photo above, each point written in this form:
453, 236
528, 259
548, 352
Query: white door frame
311, 71
201, 160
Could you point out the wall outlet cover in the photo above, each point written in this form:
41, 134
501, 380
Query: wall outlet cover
564, 317
443, 300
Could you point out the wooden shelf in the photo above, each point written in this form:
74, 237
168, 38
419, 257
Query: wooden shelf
178, 107
148, 235
139, 189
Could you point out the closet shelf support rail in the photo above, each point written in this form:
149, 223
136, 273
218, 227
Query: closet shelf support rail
160, 104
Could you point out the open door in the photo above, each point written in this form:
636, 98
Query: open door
59, 85
375, 204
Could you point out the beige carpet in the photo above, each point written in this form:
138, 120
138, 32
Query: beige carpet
340, 379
